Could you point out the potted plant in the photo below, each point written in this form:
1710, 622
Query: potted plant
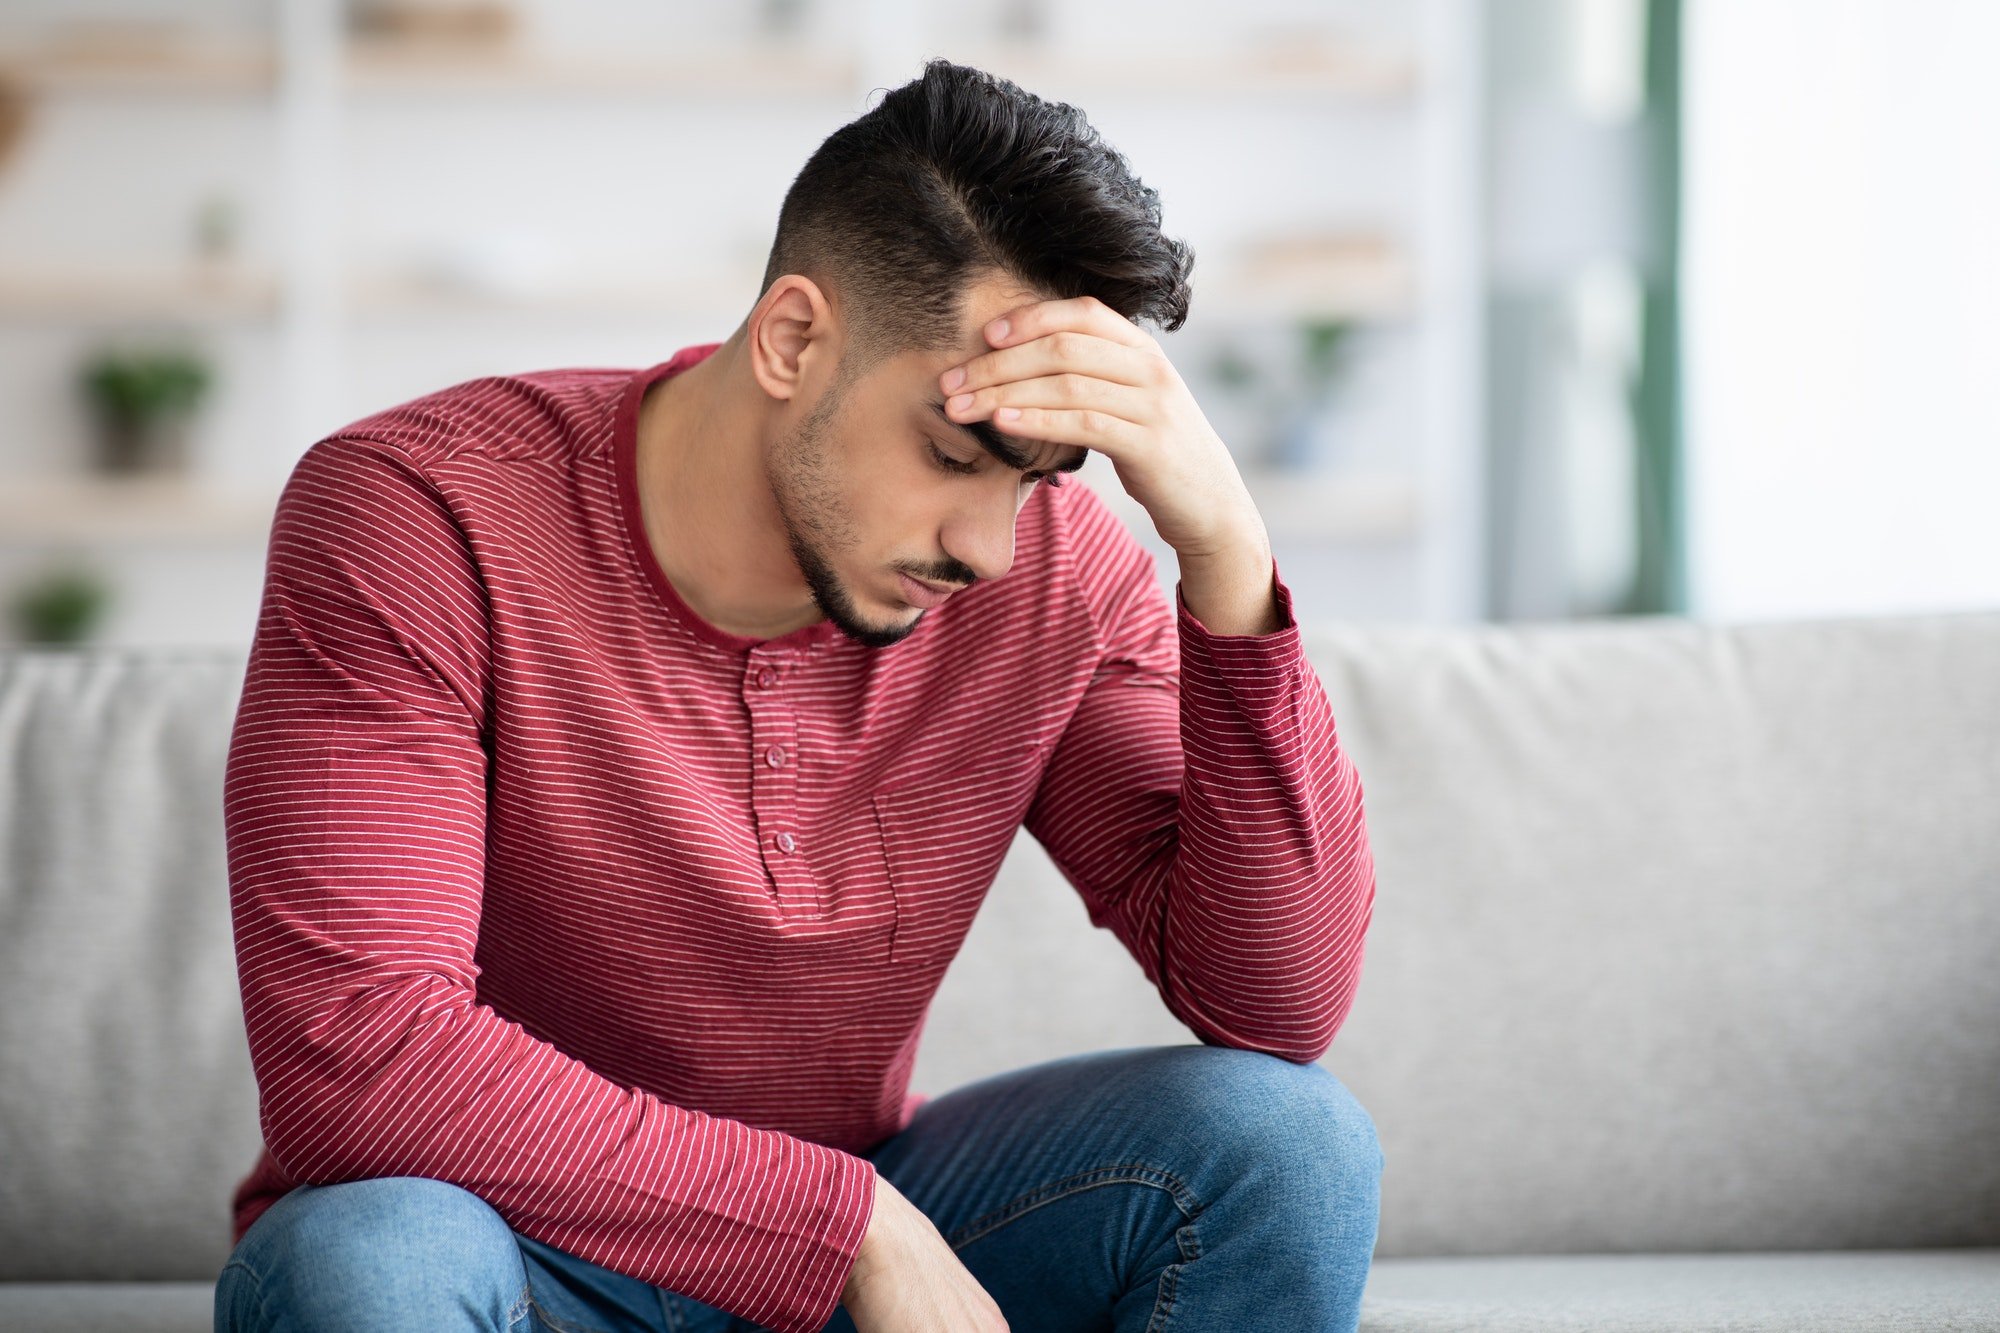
1309, 439
143, 402
60, 607
1299, 410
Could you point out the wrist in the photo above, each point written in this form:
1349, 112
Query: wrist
864, 1257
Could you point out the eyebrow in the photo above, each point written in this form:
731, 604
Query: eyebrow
993, 442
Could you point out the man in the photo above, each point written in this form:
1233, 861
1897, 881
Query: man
623, 757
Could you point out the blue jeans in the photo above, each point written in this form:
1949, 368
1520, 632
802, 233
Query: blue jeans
1192, 1187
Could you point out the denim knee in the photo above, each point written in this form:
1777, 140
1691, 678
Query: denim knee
1251, 1112
394, 1252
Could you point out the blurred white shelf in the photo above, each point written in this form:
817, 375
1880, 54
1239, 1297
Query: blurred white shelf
109, 510
137, 64
376, 65
1338, 69
162, 291
1314, 275
1303, 508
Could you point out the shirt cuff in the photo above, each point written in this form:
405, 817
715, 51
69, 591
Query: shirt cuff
830, 1255
1280, 648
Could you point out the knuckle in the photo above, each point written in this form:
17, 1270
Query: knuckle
1071, 386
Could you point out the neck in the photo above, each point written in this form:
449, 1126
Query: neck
706, 498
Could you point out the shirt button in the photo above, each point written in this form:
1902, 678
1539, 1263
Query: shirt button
775, 756
785, 842
766, 678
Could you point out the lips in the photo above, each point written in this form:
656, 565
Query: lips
921, 594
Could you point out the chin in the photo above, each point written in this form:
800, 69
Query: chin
860, 622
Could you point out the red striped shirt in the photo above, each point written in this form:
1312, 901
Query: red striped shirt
544, 886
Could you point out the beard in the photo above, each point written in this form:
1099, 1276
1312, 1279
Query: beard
818, 524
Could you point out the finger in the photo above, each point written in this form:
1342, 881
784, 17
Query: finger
1089, 427
1085, 314
1065, 390
1066, 349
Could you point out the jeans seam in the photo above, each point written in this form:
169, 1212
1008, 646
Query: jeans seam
1166, 1181
263, 1312
1163, 1306
521, 1304
1189, 1241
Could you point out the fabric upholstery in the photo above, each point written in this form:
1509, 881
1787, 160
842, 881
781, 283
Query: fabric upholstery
1683, 943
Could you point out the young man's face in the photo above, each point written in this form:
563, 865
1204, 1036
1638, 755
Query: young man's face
866, 500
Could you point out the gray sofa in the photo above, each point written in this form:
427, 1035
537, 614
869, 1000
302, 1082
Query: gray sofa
1680, 1011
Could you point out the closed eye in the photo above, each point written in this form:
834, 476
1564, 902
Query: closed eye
946, 463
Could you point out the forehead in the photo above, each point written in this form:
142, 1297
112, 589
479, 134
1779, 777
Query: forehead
984, 300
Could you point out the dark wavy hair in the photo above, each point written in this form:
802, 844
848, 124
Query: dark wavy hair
960, 173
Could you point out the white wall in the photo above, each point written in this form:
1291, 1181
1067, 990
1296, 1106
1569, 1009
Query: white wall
1842, 299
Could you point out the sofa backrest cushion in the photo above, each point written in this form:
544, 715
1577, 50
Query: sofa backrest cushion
127, 1105
1683, 939
1686, 937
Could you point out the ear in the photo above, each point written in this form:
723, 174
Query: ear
792, 337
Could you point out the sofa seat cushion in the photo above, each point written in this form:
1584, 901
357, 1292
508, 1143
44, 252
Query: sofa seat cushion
1883, 1291
108, 1307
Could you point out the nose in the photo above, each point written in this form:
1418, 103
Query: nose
982, 538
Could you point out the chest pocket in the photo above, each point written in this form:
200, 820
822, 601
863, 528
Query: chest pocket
943, 842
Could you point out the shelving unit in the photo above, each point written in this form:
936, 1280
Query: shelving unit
135, 511
144, 69
374, 66
310, 79
158, 292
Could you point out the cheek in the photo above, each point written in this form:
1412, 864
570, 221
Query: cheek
884, 511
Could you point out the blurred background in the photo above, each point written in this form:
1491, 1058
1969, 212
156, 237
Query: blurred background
1509, 309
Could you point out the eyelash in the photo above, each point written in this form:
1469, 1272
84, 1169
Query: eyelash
949, 464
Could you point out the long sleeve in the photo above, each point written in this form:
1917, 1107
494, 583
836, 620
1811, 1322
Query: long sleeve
355, 812
1201, 804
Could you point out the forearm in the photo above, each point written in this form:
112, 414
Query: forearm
1228, 588
1272, 884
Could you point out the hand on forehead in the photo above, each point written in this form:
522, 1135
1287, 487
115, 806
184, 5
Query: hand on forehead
1060, 370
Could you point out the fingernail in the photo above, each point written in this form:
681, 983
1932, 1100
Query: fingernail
960, 402
1008, 413
999, 329
954, 378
